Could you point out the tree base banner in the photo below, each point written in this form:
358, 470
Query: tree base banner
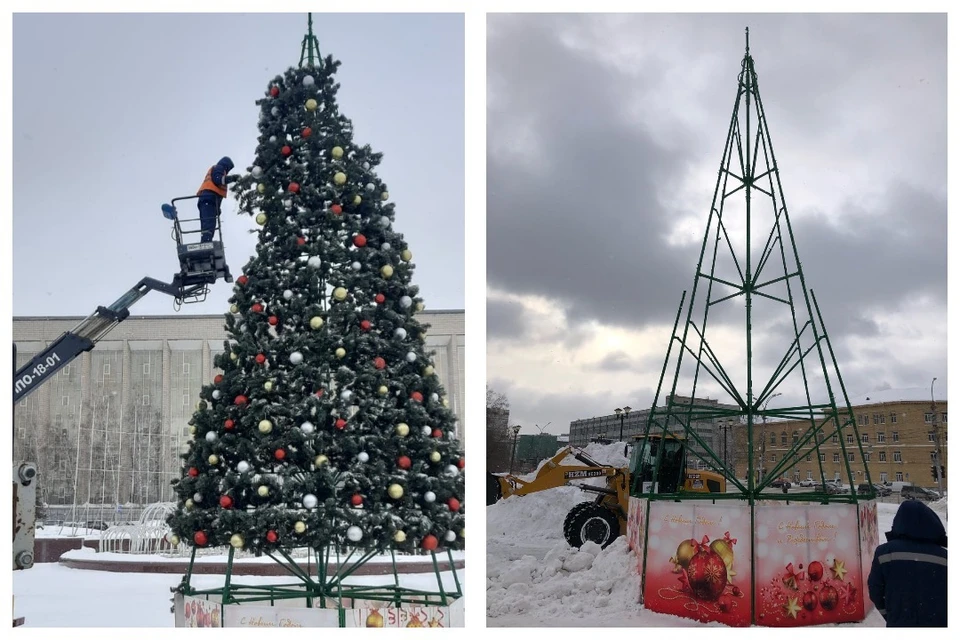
809, 563
698, 561
869, 541
209, 611
637, 535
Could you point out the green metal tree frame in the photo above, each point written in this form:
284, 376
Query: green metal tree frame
749, 174
325, 587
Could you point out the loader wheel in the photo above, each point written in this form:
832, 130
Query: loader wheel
494, 492
591, 522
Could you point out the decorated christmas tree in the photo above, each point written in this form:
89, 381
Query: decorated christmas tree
328, 427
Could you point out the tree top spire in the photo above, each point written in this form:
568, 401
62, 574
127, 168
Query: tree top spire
309, 47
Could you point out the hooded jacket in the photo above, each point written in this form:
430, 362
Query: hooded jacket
215, 182
908, 578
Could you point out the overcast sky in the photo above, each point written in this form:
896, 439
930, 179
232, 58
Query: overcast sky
604, 138
114, 114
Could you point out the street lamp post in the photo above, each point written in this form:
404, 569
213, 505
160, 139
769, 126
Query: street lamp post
513, 451
936, 440
763, 440
622, 414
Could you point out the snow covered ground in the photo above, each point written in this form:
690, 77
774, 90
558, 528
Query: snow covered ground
50, 595
534, 579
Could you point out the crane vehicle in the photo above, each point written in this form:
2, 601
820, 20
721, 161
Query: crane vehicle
604, 518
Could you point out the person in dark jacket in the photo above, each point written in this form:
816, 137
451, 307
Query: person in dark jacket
908, 579
212, 192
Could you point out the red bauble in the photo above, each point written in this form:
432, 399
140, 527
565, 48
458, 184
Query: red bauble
416, 396
453, 504
429, 543
809, 601
336, 209
293, 187
403, 462
217, 379
200, 538
380, 298
360, 240
192, 472
356, 500
815, 571
240, 400
365, 325
242, 280
279, 454
286, 150
737, 592
260, 358
301, 241
274, 91
437, 433
460, 464
272, 536
379, 362
828, 597
706, 573
725, 604
319, 393
273, 320
341, 423
257, 307
226, 502
228, 424
306, 132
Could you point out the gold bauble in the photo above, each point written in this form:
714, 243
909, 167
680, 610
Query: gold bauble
213, 459
265, 426
340, 352
374, 619
339, 177
395, 491
428, 370
188, 503
384, 195
268, 385
435, 456
419, 306
311, 105
399, 536
234, 309
357, 200
463, 533
320, 460
300, 526
316, 322
685, 551
340, 293
446, 402
261, 219
403, 429
174, 539
233, 355
383, 390
193, 430
386, 271
337, 152
236, 541
723, 549
406, 255
263, 491
261, 188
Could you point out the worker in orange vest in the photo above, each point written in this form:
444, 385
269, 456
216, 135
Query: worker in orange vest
212, 192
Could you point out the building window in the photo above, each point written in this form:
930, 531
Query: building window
773, 439
928, 417
865, 438
882, 456
835, 439
861, 420
186, 368
186, 400
145, 401
836, 476
933, 456
773, 457
893, 418
783, 438
796, 437
62, 492
146, 368
850, 457
931, 437
883, 477
808, 457
896, 436
823, 457
836, 457
897, 457
22, 433
881, 437
64, 401
876, 419
899, 476
809, 475
943, 417
106, 368
866, 456
65, 371
883, 419
849, 438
